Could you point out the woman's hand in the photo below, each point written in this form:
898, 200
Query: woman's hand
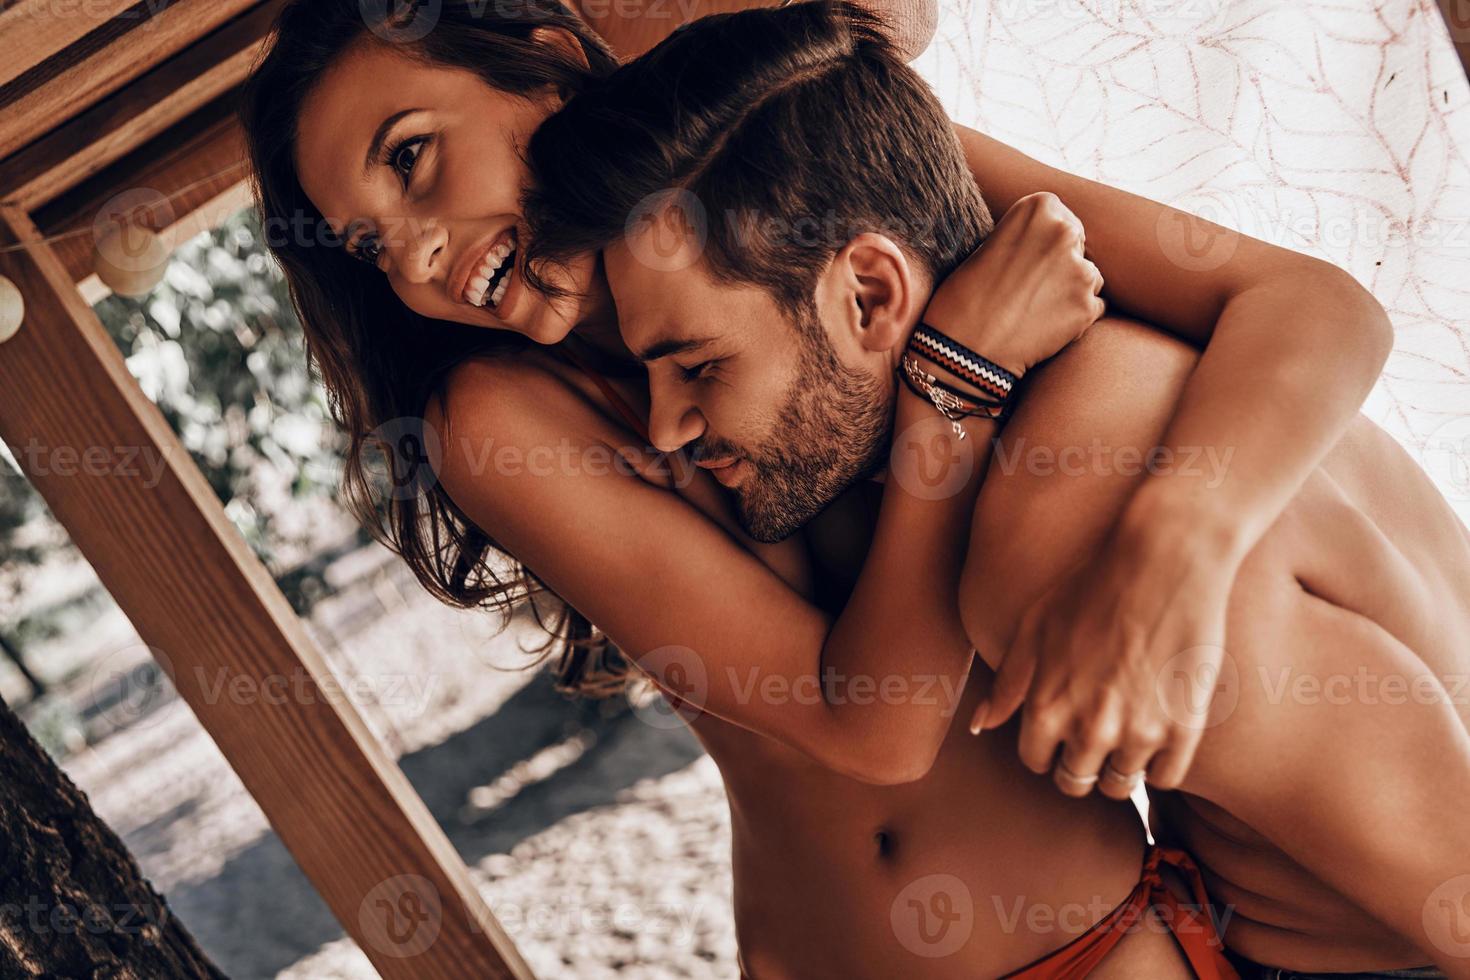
1118, 665
1027, 292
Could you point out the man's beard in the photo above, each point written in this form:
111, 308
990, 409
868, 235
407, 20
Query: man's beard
832, 430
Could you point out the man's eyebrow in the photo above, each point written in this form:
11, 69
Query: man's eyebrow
669, 346
376, 146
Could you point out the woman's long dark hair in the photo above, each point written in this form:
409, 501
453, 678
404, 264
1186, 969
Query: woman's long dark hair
379, 361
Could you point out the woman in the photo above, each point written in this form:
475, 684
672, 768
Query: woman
462, 98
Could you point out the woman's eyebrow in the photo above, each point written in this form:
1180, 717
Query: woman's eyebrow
375, 146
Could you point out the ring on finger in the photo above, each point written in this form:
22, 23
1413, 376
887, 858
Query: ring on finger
1064, 772
1129, 779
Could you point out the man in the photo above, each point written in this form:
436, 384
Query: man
1330, 825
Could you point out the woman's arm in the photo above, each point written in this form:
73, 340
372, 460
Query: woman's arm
561, 488
1292, 346
872, 693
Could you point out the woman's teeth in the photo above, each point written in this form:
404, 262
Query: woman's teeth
495, 269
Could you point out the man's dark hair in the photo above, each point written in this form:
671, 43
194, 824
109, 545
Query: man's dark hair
794, 128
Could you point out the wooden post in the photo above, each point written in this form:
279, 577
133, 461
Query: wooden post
118, 479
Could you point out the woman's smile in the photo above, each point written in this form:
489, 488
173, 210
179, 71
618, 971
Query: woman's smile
483, 275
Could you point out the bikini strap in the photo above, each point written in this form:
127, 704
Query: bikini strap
1193, 928
617, 401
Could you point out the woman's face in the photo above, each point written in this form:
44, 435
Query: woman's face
417, 168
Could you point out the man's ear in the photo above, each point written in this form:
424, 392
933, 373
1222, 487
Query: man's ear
562, 40
875, 292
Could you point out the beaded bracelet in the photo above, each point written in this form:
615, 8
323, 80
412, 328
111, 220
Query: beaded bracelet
953, 404
962, 362
992, 385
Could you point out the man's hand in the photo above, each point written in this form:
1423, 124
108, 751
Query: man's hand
1118, 665
1027, 292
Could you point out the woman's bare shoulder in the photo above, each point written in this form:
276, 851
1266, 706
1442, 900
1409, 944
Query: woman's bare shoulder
515, 389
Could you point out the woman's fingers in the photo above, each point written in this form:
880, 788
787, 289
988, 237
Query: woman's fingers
1042, 732
1079, 769
1012, 680
1126, 767
1172, 764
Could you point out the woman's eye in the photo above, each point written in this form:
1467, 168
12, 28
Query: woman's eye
402, 156
367, 250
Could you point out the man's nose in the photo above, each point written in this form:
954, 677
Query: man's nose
673, 422
422, 257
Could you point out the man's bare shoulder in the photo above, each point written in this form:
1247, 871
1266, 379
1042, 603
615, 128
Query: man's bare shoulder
1117, 362
1071, 455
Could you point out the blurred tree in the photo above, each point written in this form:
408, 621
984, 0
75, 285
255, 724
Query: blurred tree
218, 348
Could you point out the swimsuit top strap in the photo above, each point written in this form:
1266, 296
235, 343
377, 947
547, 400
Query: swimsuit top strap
617, 401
